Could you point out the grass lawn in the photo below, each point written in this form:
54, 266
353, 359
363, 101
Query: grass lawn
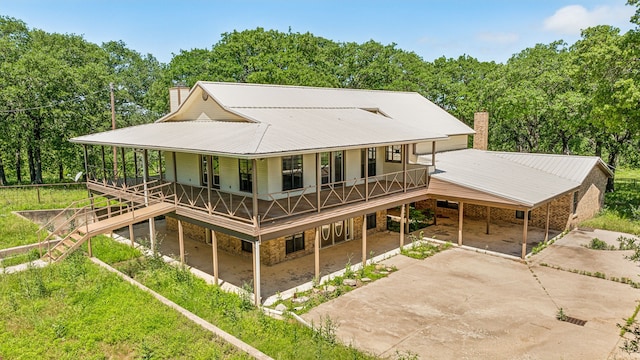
75, 309
622, 207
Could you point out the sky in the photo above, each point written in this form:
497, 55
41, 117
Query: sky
487, 30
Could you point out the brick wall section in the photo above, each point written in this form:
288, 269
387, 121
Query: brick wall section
271, 251
590, 202
481, 127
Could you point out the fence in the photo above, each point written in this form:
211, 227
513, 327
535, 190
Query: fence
41, 195
630, 183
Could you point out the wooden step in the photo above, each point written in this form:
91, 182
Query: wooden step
76, 236
68, 243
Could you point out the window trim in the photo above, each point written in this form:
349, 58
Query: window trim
390, 154
215, 171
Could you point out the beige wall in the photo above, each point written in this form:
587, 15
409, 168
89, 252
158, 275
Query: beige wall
454, 142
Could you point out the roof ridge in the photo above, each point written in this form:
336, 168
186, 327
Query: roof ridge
304, 87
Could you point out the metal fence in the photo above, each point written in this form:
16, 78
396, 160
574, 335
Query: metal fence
42, 195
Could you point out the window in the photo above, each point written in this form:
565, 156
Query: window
245, 175
291, 172
394, 153
247, 246
369, 158
447, 204
575, 203
294, 243
204, 179
520, 215
371, 221
325, 168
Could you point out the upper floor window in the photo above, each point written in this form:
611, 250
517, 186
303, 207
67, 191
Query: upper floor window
215, 169
369, 158
246, 170
291, 172
394, 153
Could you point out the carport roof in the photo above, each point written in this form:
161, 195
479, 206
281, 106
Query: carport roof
490, 177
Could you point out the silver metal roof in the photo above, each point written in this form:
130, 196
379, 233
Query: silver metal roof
491, 173
290, 119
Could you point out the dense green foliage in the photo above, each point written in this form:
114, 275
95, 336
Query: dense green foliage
580, 98
76, 310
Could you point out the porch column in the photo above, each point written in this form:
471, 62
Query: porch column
214, 250
104, 165
160, 166
256, 272
181, 241
316, 251
254, 189
546, 228
433, 154
209, 180
135, 165
405, 158
145, 179
89, 248
124, 166
366, 176
407, 222
364, 241
524, 234
488, 219
131, 235
401, 226
175, 176
460, 221
318, 182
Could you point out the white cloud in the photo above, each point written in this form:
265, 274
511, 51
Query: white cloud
570, 20
498, 38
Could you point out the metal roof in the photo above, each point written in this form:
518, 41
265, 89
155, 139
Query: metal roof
491, 173
290, 119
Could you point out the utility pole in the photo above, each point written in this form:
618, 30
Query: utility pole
113, 127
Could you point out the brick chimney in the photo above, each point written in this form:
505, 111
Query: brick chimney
481, 126
177, 94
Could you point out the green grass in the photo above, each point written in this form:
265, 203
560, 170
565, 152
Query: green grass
20, 258
622, 206
77, 310
423, 249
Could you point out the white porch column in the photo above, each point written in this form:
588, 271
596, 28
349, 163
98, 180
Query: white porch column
546, 228
256, 272
401, 226
524, 234
316, 252
145, 174
181, 241
364, 241
214, 250
460, 221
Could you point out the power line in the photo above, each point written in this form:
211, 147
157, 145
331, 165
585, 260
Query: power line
53, 104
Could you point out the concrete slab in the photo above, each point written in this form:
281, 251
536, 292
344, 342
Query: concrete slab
466, 305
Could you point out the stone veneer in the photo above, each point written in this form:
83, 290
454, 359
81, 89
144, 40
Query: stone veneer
590, 201
271, 251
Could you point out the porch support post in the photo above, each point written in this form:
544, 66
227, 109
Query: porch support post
401, 226
135, 165
254, 188
214, 251
488, 219
145, 178
316, 251
104, 165
89, 248
256, 272
318, 182
209, 180
175, 176
131, 235
524, 234
181, 241
124, 166
460, 221
160, 165
433, 154
405, 158
366, 175
364, 241
407, 222
546, 228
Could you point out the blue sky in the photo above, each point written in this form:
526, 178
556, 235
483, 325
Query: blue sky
487, 30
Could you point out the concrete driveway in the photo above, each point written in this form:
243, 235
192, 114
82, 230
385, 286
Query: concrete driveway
460, 304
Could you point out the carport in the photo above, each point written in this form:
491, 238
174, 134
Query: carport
471, 177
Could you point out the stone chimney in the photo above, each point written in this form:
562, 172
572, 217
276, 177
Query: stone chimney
177, 94
481, 126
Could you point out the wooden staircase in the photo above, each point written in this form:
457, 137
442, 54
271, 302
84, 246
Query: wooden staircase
120, 208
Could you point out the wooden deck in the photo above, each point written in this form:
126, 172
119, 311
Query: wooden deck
126, 219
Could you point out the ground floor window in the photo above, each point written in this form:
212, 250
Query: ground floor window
447, 204
294, 243
371, 221
520, 215
247, 246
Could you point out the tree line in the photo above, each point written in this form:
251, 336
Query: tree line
581, 98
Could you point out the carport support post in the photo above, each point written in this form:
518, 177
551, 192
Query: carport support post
401, 226
181, 241
546, 228
131, 235
256, 272
316, 251
488, 218
364, 241
524, 234
460, 221
214, 250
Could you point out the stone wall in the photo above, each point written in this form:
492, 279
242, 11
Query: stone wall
591, 196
